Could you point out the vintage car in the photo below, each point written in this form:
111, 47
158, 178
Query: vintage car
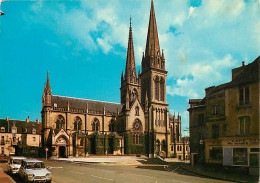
15, 164
3, 158
33, 170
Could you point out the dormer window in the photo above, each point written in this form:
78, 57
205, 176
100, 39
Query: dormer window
14, 129
33, 131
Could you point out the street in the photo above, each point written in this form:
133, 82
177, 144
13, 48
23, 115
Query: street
65, 172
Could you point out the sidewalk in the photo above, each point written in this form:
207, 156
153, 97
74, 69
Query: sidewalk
123, 160
221, 174
4, 178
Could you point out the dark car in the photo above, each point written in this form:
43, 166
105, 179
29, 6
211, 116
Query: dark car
3, 158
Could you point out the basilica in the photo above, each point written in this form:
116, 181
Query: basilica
140, 124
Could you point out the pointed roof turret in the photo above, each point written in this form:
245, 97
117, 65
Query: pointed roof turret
130, 70
152, 42
48, 85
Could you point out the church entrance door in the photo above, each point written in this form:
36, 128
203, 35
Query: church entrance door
62, 151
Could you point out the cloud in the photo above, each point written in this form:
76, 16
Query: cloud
202, 43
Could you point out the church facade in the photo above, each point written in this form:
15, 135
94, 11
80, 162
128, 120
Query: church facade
140, 124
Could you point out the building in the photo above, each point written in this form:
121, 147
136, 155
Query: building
224, 125
20, 137
179, 145
138, 125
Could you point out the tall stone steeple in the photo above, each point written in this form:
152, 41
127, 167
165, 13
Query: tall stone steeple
46, 96
153, 57
130, 82
130, 70
153, 86
152, 42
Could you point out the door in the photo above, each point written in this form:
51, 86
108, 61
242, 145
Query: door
62, 151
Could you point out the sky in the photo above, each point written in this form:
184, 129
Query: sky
83, 46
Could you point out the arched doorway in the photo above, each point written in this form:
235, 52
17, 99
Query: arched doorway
62, 151
62, 143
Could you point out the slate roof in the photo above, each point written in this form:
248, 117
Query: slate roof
80, 104
21, 126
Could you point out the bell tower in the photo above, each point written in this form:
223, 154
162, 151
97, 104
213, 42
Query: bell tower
153, 85
46, 110
130, 82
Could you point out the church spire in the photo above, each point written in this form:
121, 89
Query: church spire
152, 42
130, 70
48, 85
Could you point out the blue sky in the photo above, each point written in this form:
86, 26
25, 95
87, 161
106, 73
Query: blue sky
83, 46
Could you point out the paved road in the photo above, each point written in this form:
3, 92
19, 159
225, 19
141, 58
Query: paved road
64, 172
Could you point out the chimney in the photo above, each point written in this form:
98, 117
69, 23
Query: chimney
243, 63
27, 119
37, 120
7, 118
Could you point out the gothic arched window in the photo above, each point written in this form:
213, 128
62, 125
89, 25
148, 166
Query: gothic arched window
77, 123
60, 121
134, 94
156, 88
111, 126
137, 130
95, 125
162, 89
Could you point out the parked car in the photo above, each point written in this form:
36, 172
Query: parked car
15, 164
3, 158
33, 170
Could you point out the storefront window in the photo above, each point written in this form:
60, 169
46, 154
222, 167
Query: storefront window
254, 160
240, 156
216, 153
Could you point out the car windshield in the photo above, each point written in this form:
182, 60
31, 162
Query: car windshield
17, 161
32, 165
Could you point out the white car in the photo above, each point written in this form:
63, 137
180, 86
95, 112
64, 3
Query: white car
33, 170
15, 164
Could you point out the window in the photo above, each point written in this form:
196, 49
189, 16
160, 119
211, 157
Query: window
33, 131
137, 111
215, 131
178, 148
111, 126
156, 88
3, 140
244, 125
34, 139
240, 156
162, 89
216, 153
2, 150
201, 119
14, 130
14, 139
134, 95
95, 125
171, 148
215, 110
224, 129
137, 130
2, 129
244, 96
60, 122
81, 142
77, 123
